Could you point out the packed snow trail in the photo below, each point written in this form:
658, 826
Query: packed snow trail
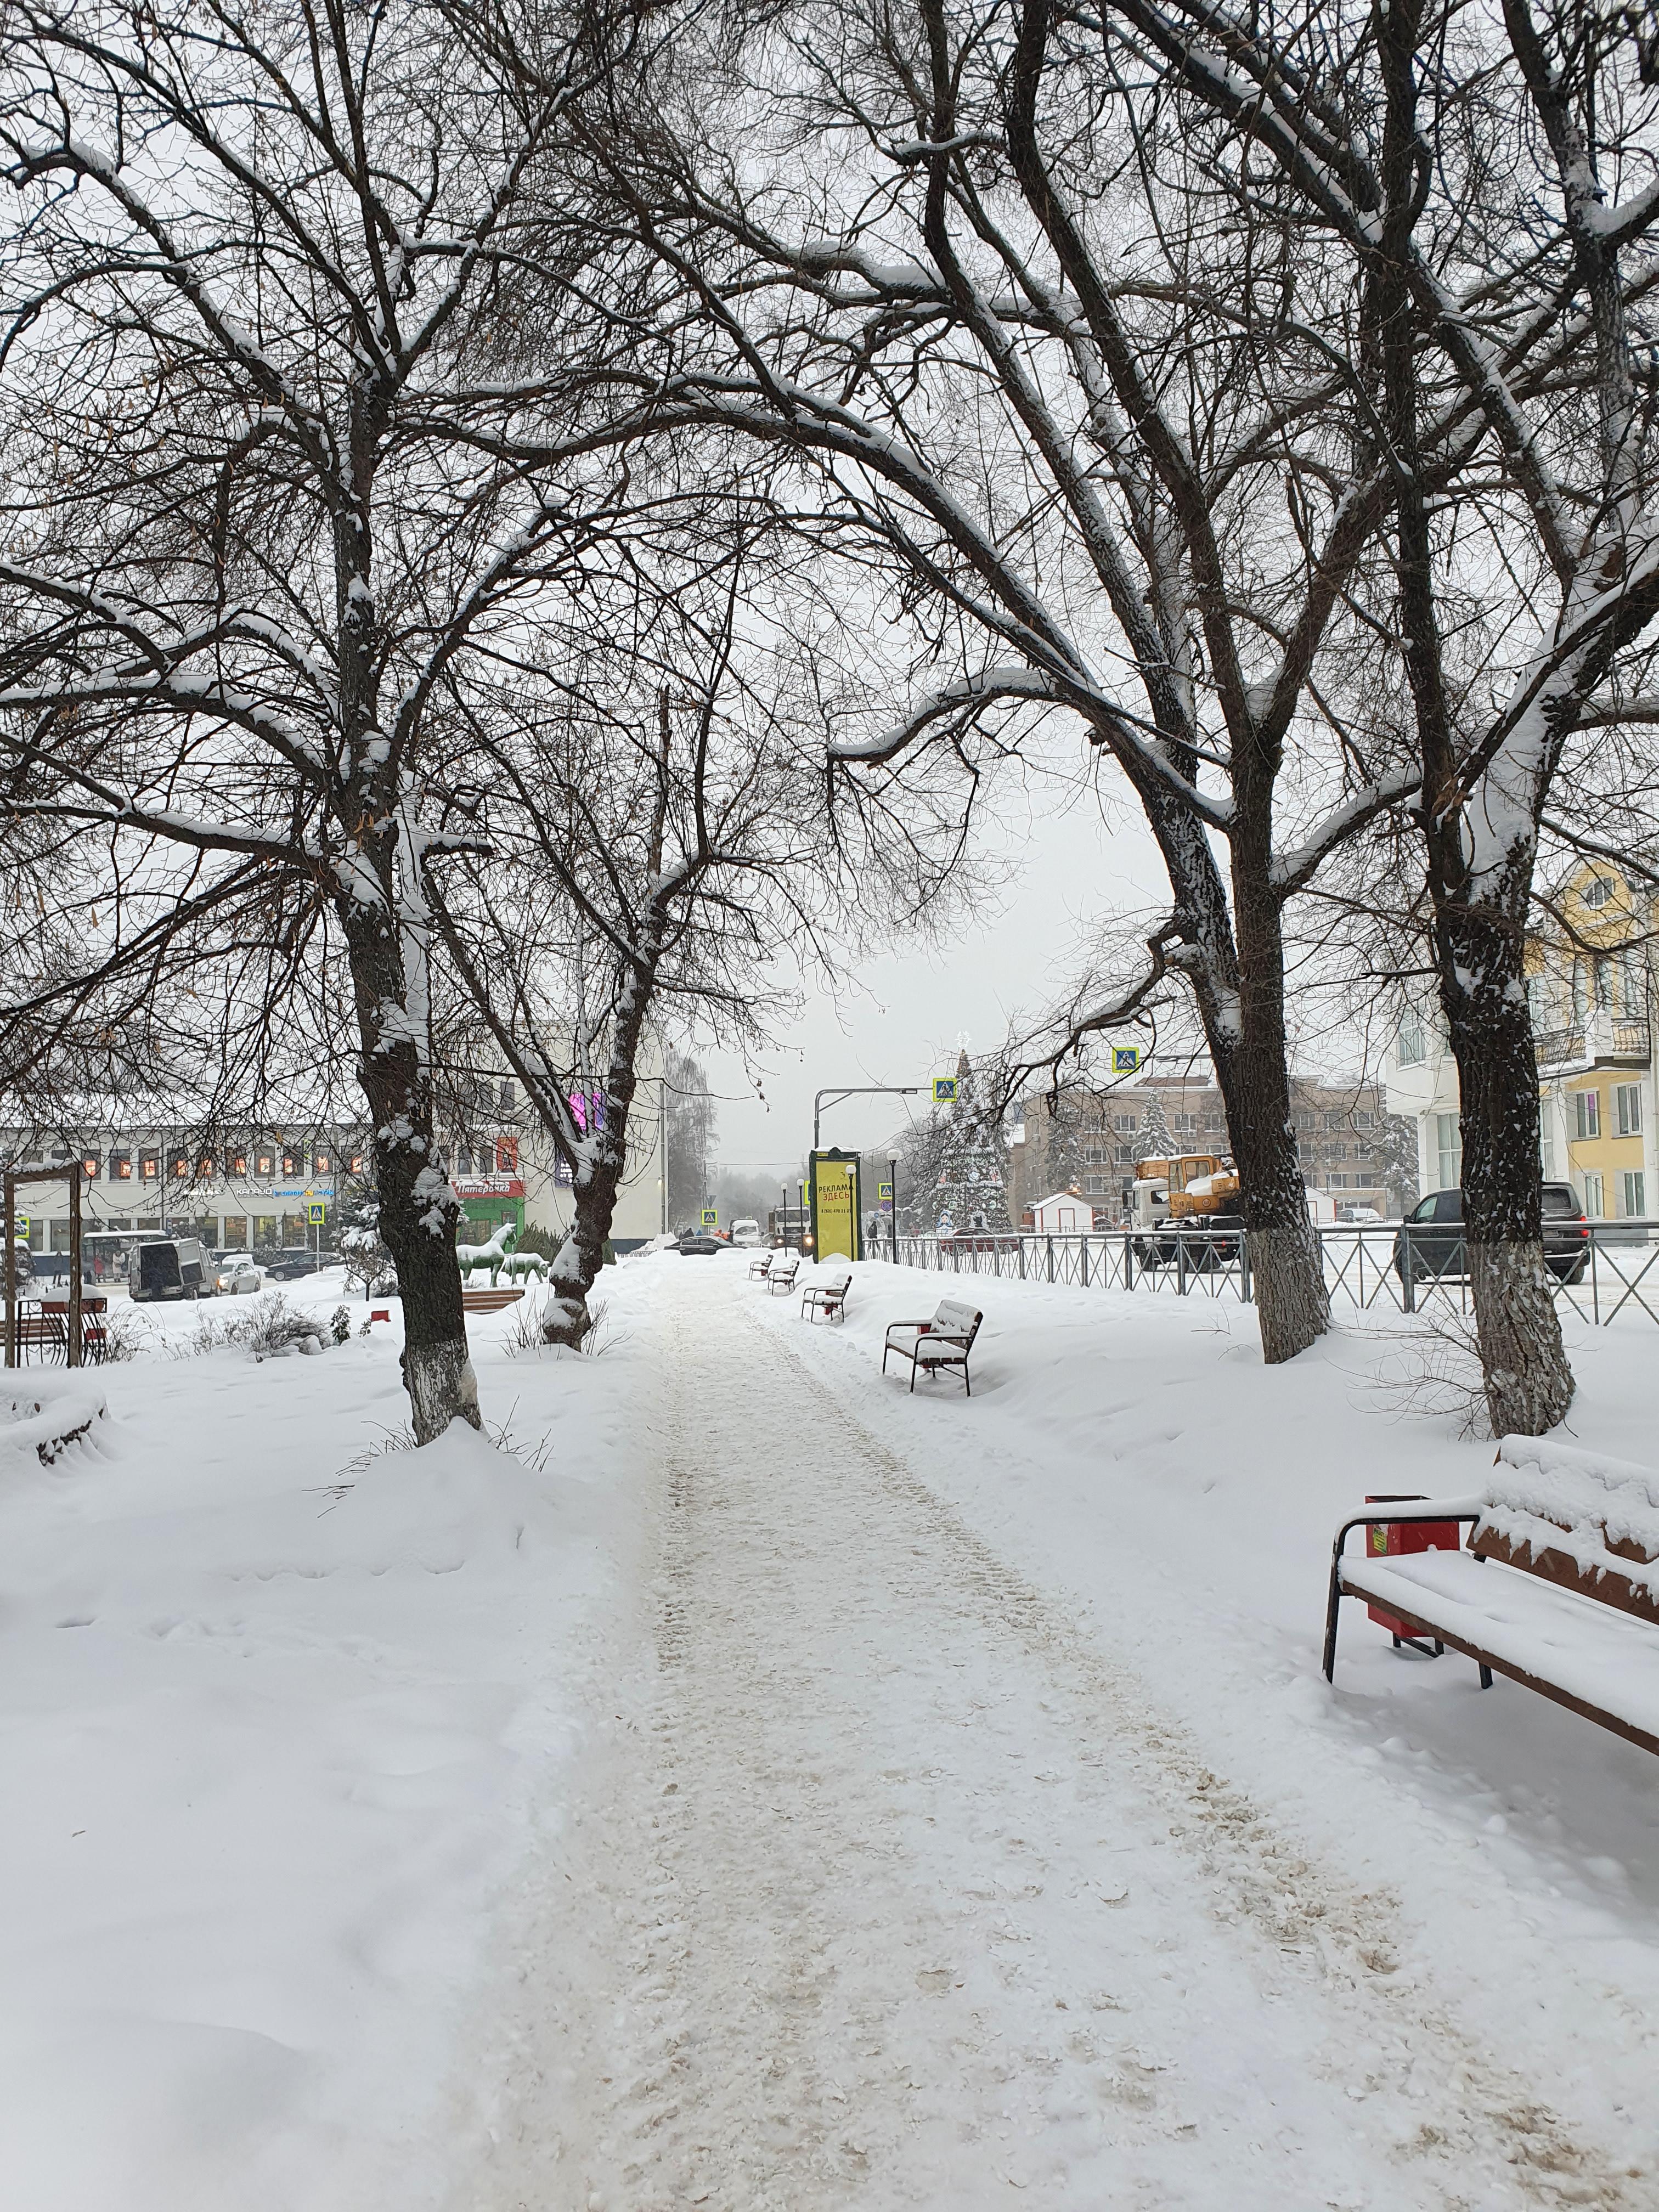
889, 1890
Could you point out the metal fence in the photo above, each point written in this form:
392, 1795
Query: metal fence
1368, 1266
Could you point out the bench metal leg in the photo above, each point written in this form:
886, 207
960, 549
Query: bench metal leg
1331, 1604
1485, 1678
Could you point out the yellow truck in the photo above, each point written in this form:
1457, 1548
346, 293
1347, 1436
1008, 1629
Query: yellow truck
1188, 1191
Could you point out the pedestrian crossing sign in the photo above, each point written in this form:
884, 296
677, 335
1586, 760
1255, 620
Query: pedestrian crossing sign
317, 1212
944, 1090
710, 1216
1126, 1060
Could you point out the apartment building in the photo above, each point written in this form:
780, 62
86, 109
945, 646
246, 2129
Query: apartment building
1590, 990
1347, 1146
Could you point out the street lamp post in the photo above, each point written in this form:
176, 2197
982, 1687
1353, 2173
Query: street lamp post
892, 1199
858, 1091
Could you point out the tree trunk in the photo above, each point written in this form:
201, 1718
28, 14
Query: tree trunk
1238, 980
1523, 1363
577, 1263
418, 1208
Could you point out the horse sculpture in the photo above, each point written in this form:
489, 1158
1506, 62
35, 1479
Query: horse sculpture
525, 1267
488, 1258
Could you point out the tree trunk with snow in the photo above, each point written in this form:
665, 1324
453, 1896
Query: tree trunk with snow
1482, 844
1235, 963
1523, 1362
418, 1208
602, 1164
1286, 1262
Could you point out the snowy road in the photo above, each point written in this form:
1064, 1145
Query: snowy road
890, 1888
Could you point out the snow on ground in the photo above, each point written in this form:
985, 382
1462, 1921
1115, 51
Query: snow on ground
793, 1793
273, 1728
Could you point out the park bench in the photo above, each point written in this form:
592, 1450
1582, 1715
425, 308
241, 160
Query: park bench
490, 1301
94, 1335
943, 1341
1556, 1586
42, 1331
760, 1267
827, 1301
781, 1275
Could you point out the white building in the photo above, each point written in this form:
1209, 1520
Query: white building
1592, 1029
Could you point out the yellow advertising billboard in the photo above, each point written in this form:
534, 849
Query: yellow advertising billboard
836, 1206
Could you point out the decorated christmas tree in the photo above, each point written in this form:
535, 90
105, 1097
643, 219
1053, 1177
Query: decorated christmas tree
973, 1186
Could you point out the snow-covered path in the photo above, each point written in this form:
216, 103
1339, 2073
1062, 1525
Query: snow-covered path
890, 1886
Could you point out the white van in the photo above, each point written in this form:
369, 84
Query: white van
746, 1235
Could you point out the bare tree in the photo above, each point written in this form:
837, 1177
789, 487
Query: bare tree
658, 837
259, 504
1492, 189
1068, 395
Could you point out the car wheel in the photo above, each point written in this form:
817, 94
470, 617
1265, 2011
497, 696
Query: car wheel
1569, 1270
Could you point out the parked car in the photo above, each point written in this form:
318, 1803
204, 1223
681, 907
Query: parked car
170, 1267
238, 1276
288, 1265
699, 1241
1435, 1242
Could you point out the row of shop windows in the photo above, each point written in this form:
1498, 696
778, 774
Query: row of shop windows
230, 1232
261, 1165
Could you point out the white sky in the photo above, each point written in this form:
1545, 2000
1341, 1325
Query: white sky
1068, 869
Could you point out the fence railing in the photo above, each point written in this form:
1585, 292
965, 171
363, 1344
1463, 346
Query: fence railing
1369, 1266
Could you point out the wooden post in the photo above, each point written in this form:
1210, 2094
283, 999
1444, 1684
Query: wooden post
11, 1269
75, 1265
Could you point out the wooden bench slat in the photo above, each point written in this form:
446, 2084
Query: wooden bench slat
1558, 1618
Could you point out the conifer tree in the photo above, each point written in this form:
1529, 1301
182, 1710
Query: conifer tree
973, 1184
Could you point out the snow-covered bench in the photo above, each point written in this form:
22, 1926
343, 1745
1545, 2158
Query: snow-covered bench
781, 1275
943, 1341
760, 1267
827, 1301
1558, 1586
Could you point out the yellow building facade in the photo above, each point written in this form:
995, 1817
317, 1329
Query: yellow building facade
1589, 985
1589, 982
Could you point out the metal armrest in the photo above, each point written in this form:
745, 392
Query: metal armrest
1454, 1509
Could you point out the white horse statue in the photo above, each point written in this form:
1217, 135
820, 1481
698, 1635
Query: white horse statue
525, 1267
488, 1258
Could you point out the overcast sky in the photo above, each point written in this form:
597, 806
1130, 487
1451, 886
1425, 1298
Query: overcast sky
903, 1020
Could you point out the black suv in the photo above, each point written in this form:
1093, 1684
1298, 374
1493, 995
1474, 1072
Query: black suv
1436, 1235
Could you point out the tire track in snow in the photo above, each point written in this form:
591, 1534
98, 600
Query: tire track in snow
901, 1894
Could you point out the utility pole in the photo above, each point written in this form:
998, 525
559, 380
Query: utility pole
892, 1200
